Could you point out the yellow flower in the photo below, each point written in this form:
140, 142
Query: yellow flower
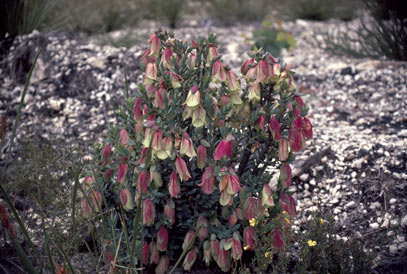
245, 247
253, 222
284, 212
321, 221
287, 220
312, 243
268, 255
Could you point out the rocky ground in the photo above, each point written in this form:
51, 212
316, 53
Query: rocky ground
355, 167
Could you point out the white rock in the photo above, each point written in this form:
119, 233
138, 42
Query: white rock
403, 223
351, 205
304, 177
374, 225
393, 249
393, 201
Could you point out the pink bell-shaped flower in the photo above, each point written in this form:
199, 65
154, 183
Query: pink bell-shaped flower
162, 239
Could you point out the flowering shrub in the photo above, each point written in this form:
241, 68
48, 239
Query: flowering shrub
193, 155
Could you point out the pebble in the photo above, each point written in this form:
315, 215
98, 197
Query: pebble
351, 205
304, 177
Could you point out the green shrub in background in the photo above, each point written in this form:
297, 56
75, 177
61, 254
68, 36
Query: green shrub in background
383, 34
191, 154
167, 10
272, 38
320, 10
232, 11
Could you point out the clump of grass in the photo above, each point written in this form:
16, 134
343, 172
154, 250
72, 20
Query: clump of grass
381, 35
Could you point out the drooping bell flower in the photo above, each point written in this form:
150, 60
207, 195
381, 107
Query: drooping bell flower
202, 221
207, 253
188, 240
233, 186
224, 259
126, 199
162, 265
187, 147
208, 180
182, 169
225, 198
198, 117
166, 148
176, 80
296, 113
151, 73
233, 219
212, 54
155, 177
224, 148
148, 212
154, 254
173, 186
124, 137
137, 112
145, 253
267, 196
169, 210
224, 100
288, 204
203, 233
159, 98
254, 92
189, 260
96, 200
155, 44
233, 83
285, 175
215, 249
218, 72
277, 241
274, 127
250, 208
294, 139
146, 57
201, 159
299, 101
143, 182
262, 71
249, 236
166, 58
297, 123
194, 44
107, 150
251, 74
162, 239
148, 136
122, 173
283, 149
86, 209
246, 66
307, 128
237, 250
235, 98
192, 61
107, 174
260, 122
157, 140
150, 90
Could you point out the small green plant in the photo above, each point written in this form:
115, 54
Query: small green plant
383, 34
232, 11
185, 173
272, 38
